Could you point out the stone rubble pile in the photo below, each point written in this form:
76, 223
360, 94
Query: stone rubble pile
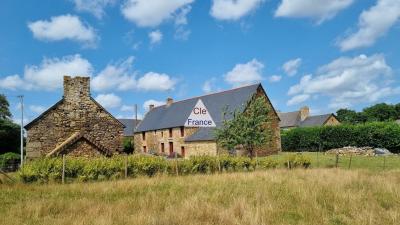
365, 151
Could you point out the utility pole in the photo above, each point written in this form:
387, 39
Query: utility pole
21, 98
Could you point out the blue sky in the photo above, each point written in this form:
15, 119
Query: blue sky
324, 54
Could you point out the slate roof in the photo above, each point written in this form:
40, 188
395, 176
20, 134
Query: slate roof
175, 115
315, 120
130, 125
289, 119
292, 119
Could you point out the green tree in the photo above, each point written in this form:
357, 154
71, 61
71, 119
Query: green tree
128, 145
4, 108
9, 136
245, 129
350, 116
380, 112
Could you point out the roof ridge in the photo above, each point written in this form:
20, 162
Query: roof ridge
214, 93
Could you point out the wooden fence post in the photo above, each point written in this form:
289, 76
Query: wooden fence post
63, 169
337, 160
176, 164
126, 166
351, 156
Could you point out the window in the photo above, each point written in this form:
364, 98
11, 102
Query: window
162, 133
144, 149
171, 148
183, 151
143, 136
170, 132
162, 148
182, 131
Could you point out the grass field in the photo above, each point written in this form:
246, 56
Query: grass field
316, 196
321, 160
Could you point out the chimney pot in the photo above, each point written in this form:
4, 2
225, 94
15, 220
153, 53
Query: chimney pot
151, 106
169, 101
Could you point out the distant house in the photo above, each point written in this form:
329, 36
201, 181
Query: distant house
130, 125
76, 125
302, 118
163, 130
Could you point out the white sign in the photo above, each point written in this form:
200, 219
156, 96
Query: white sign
199, 117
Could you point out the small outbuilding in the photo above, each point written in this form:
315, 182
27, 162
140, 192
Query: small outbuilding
76, 125
302, 118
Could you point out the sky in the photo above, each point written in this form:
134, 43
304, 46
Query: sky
323, 54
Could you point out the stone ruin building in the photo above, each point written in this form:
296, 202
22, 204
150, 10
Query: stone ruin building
76, 125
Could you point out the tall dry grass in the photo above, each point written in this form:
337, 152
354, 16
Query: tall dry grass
319, 196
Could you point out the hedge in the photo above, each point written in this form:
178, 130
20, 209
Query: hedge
50, 169
376, 134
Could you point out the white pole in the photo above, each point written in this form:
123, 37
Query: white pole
21, 97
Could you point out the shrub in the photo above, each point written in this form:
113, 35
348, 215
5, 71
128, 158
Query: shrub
297, 160
377, 134
50, 169
9, 159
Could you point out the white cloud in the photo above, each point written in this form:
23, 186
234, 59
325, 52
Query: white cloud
233, 9
210, 85
348, 81
156, 103
151, 13
319, 10
118, 76
49, 74
152, 81
373, 24
181, 32
109, 100
95, 7
38, 109
295, 100
12, 82
243, 74
291, 66
274, 78
64, 27
155, 37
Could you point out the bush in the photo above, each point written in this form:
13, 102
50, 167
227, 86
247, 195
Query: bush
9, 160
297, 160
9, 136
50, 169
377, 134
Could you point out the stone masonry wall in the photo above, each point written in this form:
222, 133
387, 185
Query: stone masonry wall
76, 112
153, 140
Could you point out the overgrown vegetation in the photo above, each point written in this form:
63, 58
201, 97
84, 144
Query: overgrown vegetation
376, 134
319, 196
50, 169
128, 145
245, 129
8, 158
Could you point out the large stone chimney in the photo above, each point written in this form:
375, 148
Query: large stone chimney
170, 101
304, 112
76, 89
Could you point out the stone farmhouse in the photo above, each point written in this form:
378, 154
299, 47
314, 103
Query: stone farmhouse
130, 126
302, 118
162, 129
76, 125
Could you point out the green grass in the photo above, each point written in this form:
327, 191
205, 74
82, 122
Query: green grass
321, 160
316, 196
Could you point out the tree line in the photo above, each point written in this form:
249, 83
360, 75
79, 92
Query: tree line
9, 131
381, 112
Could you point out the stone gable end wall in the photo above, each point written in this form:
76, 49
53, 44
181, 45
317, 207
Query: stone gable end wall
76, 113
